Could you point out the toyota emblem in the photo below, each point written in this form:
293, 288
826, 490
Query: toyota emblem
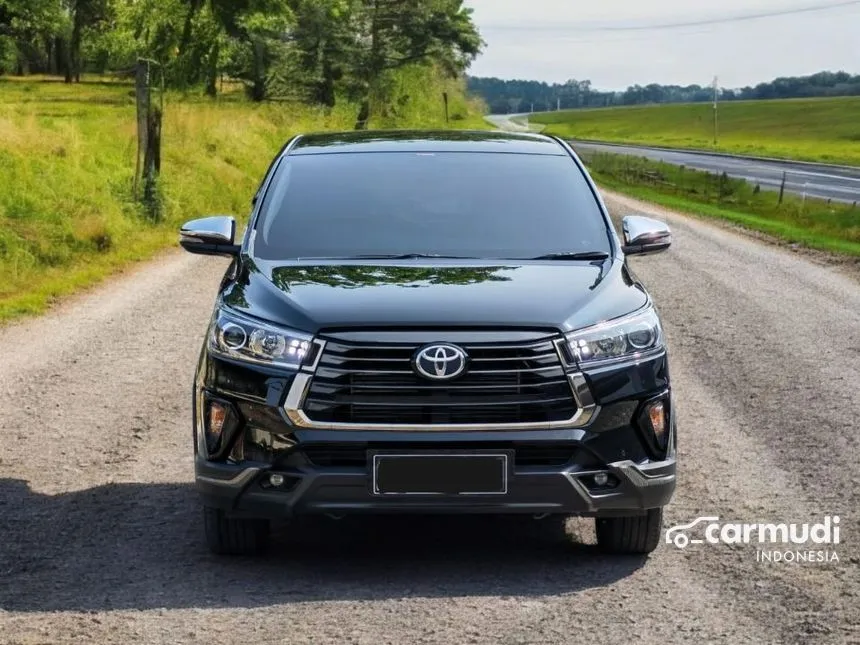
440, 362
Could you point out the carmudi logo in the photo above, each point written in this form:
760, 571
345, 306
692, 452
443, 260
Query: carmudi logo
778, 542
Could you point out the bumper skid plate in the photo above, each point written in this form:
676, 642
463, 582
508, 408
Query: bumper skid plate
242, 491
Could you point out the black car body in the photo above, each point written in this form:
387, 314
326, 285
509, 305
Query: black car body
431, 322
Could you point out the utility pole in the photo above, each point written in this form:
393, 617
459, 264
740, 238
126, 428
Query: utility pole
716, 109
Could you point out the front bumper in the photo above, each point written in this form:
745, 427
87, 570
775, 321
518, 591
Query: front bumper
242, 491
269, 441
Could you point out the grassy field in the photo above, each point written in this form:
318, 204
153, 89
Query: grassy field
67, 217
811, 223
825, 130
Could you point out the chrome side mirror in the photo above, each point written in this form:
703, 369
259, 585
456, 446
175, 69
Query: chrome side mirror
210, 236
644, 236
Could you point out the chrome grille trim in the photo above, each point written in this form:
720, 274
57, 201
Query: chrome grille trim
522, 371
320, 348
584, 414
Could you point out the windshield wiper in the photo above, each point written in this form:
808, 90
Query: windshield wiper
586, 256
411, 256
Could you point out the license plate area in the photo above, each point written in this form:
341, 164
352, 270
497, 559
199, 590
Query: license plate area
440, 474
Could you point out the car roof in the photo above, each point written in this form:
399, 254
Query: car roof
426, 141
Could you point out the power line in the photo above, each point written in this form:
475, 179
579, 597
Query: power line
740, 18
681, 25
596, 38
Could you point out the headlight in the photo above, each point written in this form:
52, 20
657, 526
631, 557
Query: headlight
616, 340
239, 337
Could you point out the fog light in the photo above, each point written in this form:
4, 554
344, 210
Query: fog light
601, 479
276, 480
657, 419
215, 425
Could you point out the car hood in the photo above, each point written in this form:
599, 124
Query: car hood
405, 294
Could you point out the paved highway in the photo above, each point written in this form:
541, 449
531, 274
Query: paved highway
827, 182
838, 183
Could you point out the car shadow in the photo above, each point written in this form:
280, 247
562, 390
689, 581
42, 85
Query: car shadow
140, 546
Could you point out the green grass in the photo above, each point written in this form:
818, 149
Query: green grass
811, 223
824, 130
67, 157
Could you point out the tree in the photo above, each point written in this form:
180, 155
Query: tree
258, 30
397, 33
312, 50
83, 15
502, 96
195, 41
252, 30
323, 38
28, 25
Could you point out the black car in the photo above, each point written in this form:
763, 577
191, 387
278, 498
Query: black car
431, 322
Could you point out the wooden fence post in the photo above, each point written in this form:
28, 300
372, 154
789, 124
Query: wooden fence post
142, 99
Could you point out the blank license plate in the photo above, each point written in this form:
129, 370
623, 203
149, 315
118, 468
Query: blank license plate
446, 474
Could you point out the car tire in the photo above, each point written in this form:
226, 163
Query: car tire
234, 536
638, 534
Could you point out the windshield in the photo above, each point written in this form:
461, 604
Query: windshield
496, 206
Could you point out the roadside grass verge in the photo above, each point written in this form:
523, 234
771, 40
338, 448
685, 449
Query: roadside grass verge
821, 129
812, 223
67, 158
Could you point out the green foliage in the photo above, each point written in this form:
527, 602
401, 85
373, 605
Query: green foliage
322, 40
825, 130
811, 222
407, 32
354, 48
414, 95
24, 26
316, 63
67, 216
315, 51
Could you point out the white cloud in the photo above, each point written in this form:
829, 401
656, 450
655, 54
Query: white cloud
554, 40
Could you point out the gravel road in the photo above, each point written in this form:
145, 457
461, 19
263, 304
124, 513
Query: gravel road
100, 540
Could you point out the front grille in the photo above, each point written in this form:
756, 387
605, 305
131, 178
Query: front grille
505, 383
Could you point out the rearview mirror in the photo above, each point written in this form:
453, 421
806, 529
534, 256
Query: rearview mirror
210, 236
644, 236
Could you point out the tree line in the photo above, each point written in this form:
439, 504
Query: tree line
310, 50
512, 96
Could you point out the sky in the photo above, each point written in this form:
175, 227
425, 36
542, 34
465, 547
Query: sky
611, 42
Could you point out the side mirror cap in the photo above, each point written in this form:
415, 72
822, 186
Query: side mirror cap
644, 236
210, 236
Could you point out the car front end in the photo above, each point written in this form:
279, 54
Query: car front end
568, 438
433, 383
